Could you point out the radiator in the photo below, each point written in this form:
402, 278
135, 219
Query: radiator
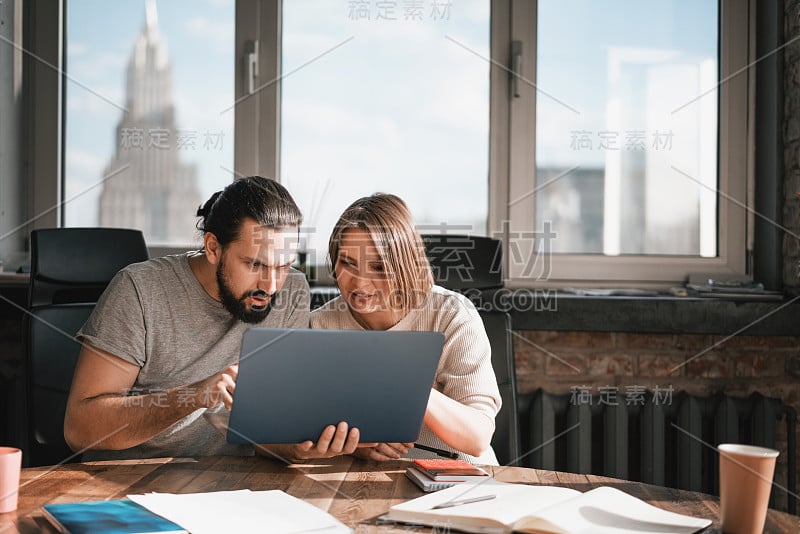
652, 438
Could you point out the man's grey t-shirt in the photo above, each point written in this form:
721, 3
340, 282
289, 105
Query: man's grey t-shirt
156, 315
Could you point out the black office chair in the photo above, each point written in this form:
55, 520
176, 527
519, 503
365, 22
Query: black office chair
465, 263
462, 262
70, 268
506, 439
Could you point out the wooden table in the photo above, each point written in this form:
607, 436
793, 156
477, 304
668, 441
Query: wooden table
352, 490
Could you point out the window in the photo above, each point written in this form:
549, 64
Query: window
146, 141
620, 157
646, 183
626, 124
390, 97
621, 107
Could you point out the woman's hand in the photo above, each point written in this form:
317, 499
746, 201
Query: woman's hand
383, 451
463, 427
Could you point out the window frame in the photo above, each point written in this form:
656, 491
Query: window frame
256, 123
511, 143
45, 107
258, 115
513, 164
43, 41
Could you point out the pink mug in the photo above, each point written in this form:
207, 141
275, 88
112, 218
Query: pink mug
10, 464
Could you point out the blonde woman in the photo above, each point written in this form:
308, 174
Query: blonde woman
385, 280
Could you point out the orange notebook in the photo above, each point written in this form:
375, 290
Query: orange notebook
442, 469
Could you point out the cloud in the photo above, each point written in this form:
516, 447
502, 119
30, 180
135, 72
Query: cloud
199, 110
398, 109
305, 45
75, 49
332, 121
92, 65
83, 163
84, 172
475, 11
210, 31
361, 151
79, 100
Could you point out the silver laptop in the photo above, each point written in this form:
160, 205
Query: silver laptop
293, 383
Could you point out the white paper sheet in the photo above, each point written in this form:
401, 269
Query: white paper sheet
240, 511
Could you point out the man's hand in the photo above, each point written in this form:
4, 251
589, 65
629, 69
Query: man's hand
383, 451
333, 441
101, 415
216, 389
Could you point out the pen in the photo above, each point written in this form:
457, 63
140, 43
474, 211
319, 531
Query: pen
450, 504
440, 452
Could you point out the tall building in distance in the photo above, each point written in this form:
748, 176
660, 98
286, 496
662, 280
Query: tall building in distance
147, 187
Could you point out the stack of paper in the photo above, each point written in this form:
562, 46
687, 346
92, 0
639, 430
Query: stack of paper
240, 511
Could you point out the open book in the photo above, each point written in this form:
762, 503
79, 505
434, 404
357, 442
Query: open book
540, 509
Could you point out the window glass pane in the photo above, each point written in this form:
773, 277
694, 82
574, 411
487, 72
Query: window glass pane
145, 140
626, 118
396, 101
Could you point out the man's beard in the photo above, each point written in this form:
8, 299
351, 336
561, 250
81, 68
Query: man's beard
237, 307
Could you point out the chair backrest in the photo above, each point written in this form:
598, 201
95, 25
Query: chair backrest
52, 352
506, 439
70, 268
460, 263
76, 264
465, 262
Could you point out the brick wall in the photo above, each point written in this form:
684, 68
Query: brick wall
706, 364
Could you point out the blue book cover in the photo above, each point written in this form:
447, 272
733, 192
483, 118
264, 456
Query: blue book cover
112, 517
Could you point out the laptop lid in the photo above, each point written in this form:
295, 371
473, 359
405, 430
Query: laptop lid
293, 383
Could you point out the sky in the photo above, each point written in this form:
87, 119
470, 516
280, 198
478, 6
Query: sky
579, 72
100, 37
401, 107
396, 109
624, 77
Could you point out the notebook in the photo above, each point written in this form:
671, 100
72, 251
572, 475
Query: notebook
427, 484
120, 517
446, 470
293, 383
